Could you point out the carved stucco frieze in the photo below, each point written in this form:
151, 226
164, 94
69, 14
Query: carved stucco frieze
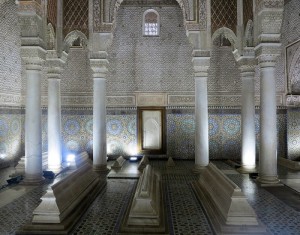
269, 15
11, 99
271, 22
293, 100
120, 100
268, 4
77, 100
151, 99
181, 99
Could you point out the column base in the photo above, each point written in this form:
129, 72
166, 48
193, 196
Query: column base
31, 180
247, 169
198, 169
56, 169
269, 181
101, 169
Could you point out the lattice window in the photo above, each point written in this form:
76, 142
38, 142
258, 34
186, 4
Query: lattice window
247, 11
224, 14
76, 13
52, 12
151, 23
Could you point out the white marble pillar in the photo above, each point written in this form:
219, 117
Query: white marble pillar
54, 125
268, 129
201, 124
99, 125
248, 158
33, 127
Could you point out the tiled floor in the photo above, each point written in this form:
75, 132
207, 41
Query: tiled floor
185, 213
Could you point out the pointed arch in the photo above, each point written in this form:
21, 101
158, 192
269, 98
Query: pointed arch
226, 33
76, 37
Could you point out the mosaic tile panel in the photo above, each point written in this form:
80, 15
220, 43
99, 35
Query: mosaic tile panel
11, 143
181, 135
121, 134
77, 132
224, 134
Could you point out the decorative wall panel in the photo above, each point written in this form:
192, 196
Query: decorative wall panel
224, 75
158, 64
10, 60
121, 135
11, 138
76, 77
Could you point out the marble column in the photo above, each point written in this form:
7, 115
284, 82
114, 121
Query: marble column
201, 123
248, 158
268, 129
55, 67
99, 67
33, 126
201, 62
54, 125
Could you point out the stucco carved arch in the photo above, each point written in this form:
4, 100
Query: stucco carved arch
115, 4
228, 34
75, 38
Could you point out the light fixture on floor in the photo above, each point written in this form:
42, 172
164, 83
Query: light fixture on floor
133, 159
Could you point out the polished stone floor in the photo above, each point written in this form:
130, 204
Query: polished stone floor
185, 214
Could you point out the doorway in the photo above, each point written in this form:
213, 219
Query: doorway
151, 130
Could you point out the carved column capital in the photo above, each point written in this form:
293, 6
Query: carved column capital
99, 67
55, 64
267, 53
201, 62
33, 57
